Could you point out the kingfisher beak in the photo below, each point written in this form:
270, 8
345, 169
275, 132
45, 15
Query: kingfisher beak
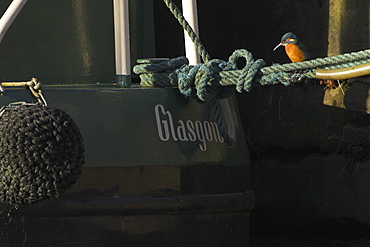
280, 44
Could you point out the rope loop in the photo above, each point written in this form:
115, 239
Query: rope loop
250, 70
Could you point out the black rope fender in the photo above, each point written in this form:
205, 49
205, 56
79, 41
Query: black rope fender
41, 153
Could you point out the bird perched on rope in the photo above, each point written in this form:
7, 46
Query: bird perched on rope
295, 50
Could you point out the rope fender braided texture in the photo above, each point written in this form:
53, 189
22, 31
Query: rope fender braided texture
41, 154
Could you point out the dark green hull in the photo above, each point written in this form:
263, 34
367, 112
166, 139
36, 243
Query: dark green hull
157, 172
137, 187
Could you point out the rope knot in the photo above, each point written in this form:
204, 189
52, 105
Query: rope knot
202, 82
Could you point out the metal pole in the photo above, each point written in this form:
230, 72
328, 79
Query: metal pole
189, 9
9, 16
122, 42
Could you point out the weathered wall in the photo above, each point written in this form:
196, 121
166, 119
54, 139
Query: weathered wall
348, 26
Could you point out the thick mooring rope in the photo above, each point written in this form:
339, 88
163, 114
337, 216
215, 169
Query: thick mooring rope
204, 82
284, 73
219, 79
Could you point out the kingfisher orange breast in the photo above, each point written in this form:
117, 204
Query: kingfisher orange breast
294, 53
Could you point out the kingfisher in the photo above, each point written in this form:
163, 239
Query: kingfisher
295, 50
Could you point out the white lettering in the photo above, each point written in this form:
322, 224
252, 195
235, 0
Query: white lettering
181, 131
171, 126
163, 133
190, 126
208, 131
202, 132
200, 135
216, 132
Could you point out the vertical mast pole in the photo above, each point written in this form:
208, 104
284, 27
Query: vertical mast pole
190, 12
122, 42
